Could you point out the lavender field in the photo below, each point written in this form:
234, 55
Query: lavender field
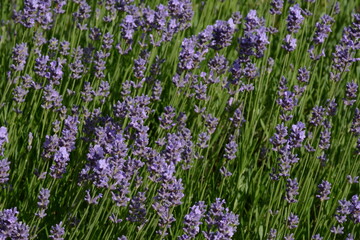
179, 119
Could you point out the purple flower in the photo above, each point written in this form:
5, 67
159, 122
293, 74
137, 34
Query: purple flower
294, 19
137, 209
4, 170
351, 93
156, 91
343, 211
349, 237
83, 11
255, 39
100, 61
203, 139
317, 237
352, 179
43, 202
272, 234
292, 221
318, 115
297, 135
218, 64
65, 47
10, 227
231, 148
20, 54
211, 122
169, 195
337, 230
303, 75
222, 34
51, 98
292, 189
289, 43
192, 221
167, 118
92, 200
355, 126
324, 190
276, 7
279, 138
181, 10
238, 118
221, 220
289, 237
61, 159
323, 28
57, 232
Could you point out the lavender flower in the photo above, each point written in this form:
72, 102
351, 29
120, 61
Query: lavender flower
337, 230
289, 237
157, 90
20, 54
181, 10
92, 200
325, 139
231, 149
219, 64
255, 39
355, 126
351, 93
276, 7
352, 179
137, 209
128, 27
317, 237
57, 232
238, 118
100, 62
289, 43
65, 47
4, 170
203, 139
303, 75
292, 189
343, 211
294, 19
192, 221
43, 202
140, 65
167, 118
51, 98
3, 139
83, 11
272, 234
292, 221
10, 226
349, 237
222, 34
323, 28
279, 138
19, 94
211, 122
324, 190
61, 159
221, 220
297, 135
318, 115
169, 195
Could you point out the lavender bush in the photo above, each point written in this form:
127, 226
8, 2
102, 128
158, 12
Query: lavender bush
179, 119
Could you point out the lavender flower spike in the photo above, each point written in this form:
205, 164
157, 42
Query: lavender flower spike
324, 190
192, 221
57, 232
